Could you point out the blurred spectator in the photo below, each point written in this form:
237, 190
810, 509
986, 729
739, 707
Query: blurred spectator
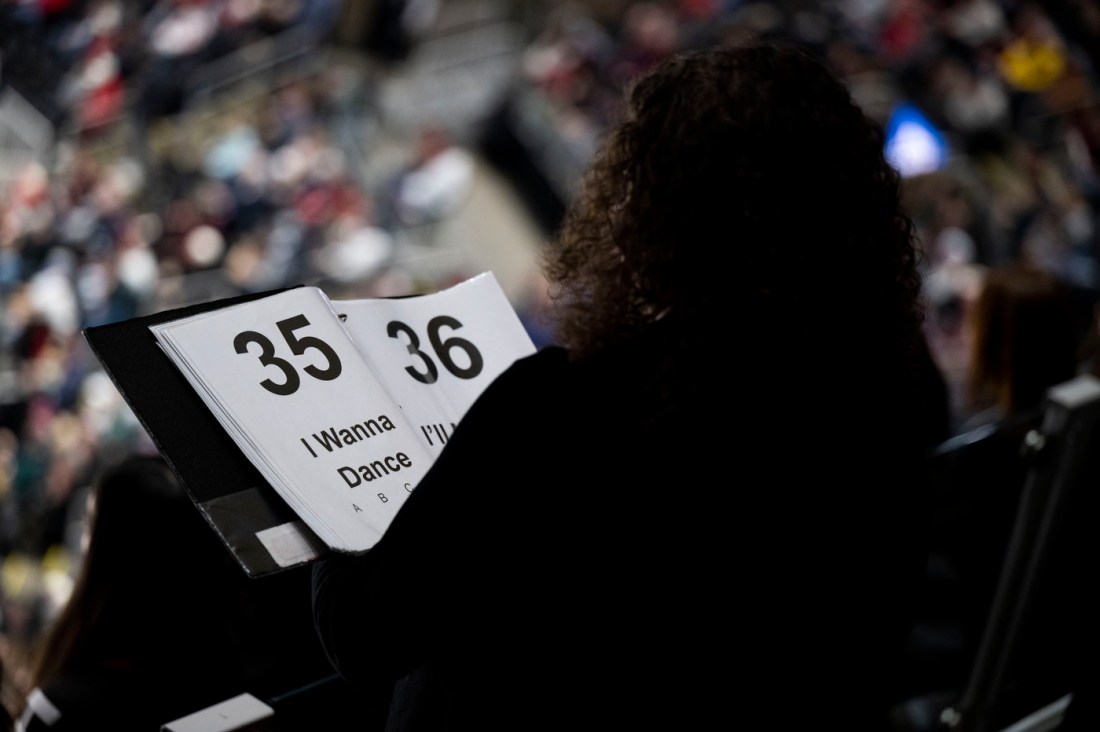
1023, 342
437, 181
177, 33
396, 25
650, 33
144, 637
972, 23
952, 272
974, 102
1034, 56
568, 63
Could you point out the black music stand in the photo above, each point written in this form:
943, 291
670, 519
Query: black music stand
1039, 599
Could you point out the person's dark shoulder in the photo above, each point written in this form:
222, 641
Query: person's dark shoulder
547, 361
527, 380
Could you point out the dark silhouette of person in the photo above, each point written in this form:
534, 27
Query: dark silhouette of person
145, 637
702, 508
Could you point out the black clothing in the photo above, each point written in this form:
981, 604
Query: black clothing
593, 550
121, 699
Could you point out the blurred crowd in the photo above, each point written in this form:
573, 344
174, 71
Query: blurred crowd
130, 215
271, 195
1007, 90
84, 63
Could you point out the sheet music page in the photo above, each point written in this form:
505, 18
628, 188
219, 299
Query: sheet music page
284, 378
437, 352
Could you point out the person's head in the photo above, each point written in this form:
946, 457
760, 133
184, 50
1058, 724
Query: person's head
149, 561
742, 190
1023, 338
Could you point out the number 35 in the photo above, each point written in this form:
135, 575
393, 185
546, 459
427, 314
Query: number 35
298, 346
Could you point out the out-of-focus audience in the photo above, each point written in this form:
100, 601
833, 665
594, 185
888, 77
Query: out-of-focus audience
271, 195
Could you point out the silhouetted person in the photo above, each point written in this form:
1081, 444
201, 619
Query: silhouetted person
146, 635
702, 509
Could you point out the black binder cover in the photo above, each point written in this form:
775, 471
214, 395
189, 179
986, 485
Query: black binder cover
231, 493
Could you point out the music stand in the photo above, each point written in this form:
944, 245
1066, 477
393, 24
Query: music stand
1063, 467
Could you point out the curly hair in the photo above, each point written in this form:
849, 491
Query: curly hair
742, 188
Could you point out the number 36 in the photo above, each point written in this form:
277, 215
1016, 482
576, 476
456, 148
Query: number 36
443, 350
